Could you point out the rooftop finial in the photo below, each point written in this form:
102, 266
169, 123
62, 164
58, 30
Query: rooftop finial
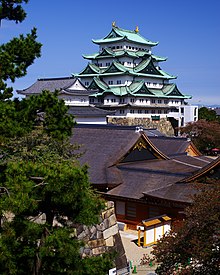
113, 24
136, 29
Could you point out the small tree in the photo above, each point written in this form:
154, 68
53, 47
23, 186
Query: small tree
207, 114
204, 134
193, 248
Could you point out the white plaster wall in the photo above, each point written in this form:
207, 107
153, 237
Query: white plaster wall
125, 46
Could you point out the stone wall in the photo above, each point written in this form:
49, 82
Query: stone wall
103, 237
163, 125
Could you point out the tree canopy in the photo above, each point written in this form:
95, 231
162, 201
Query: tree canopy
193, 247
207, 114
20, 52
204, 134
44, 191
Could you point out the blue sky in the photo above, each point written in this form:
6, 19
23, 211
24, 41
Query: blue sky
188, 33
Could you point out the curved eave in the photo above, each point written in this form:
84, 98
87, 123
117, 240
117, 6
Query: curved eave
116, 39
107, 40
155, 76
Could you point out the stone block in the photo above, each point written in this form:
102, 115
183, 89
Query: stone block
96, 243
99, 234
109, 212
112, 220
98, 250
101, 226
109, 241
111, 231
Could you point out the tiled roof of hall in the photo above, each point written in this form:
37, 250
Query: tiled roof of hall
108, 53
118, 34
50, 84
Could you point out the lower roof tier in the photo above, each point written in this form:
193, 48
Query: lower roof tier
136, 89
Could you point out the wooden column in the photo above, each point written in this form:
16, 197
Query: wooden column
145, 237
139, 236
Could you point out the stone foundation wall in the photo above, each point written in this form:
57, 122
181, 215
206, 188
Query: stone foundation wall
103, 237
163, 125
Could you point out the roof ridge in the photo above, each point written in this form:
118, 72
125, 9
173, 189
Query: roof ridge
55, 78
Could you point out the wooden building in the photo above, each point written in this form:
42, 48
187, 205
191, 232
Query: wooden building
126, 167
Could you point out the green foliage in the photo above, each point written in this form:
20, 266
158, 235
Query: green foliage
193, 248
20, 52
44, 191
207, 114
12, 10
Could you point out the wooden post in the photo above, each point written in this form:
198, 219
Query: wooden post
145, 237
139, 236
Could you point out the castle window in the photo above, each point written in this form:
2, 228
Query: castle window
118, 81
107, 64
153, 101
165, 101
131, 111
159, 101
152, 111
146, 111
110, 82
113, 100
122, 111
86, 83
139, 111
132, 100
159, 111
91, 100
117, 47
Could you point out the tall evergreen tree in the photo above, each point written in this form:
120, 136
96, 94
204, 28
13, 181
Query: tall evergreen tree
43, 189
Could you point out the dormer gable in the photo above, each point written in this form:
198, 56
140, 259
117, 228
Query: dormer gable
115, 68
173, 91
98, 84
139, 88
143, 149
113, 34
77, 85
147, 67
90, 69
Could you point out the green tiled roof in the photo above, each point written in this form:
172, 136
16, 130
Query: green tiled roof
90, 69
145, 69
137, 89
118, 34
119, 53
98, 83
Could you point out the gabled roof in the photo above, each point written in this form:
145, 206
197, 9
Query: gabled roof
173, 146
90, 69
118, 34
145, 69
116, 67
97, 83
50, 84
205, 171
108, 53
103, 147
117, 156
139, 87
